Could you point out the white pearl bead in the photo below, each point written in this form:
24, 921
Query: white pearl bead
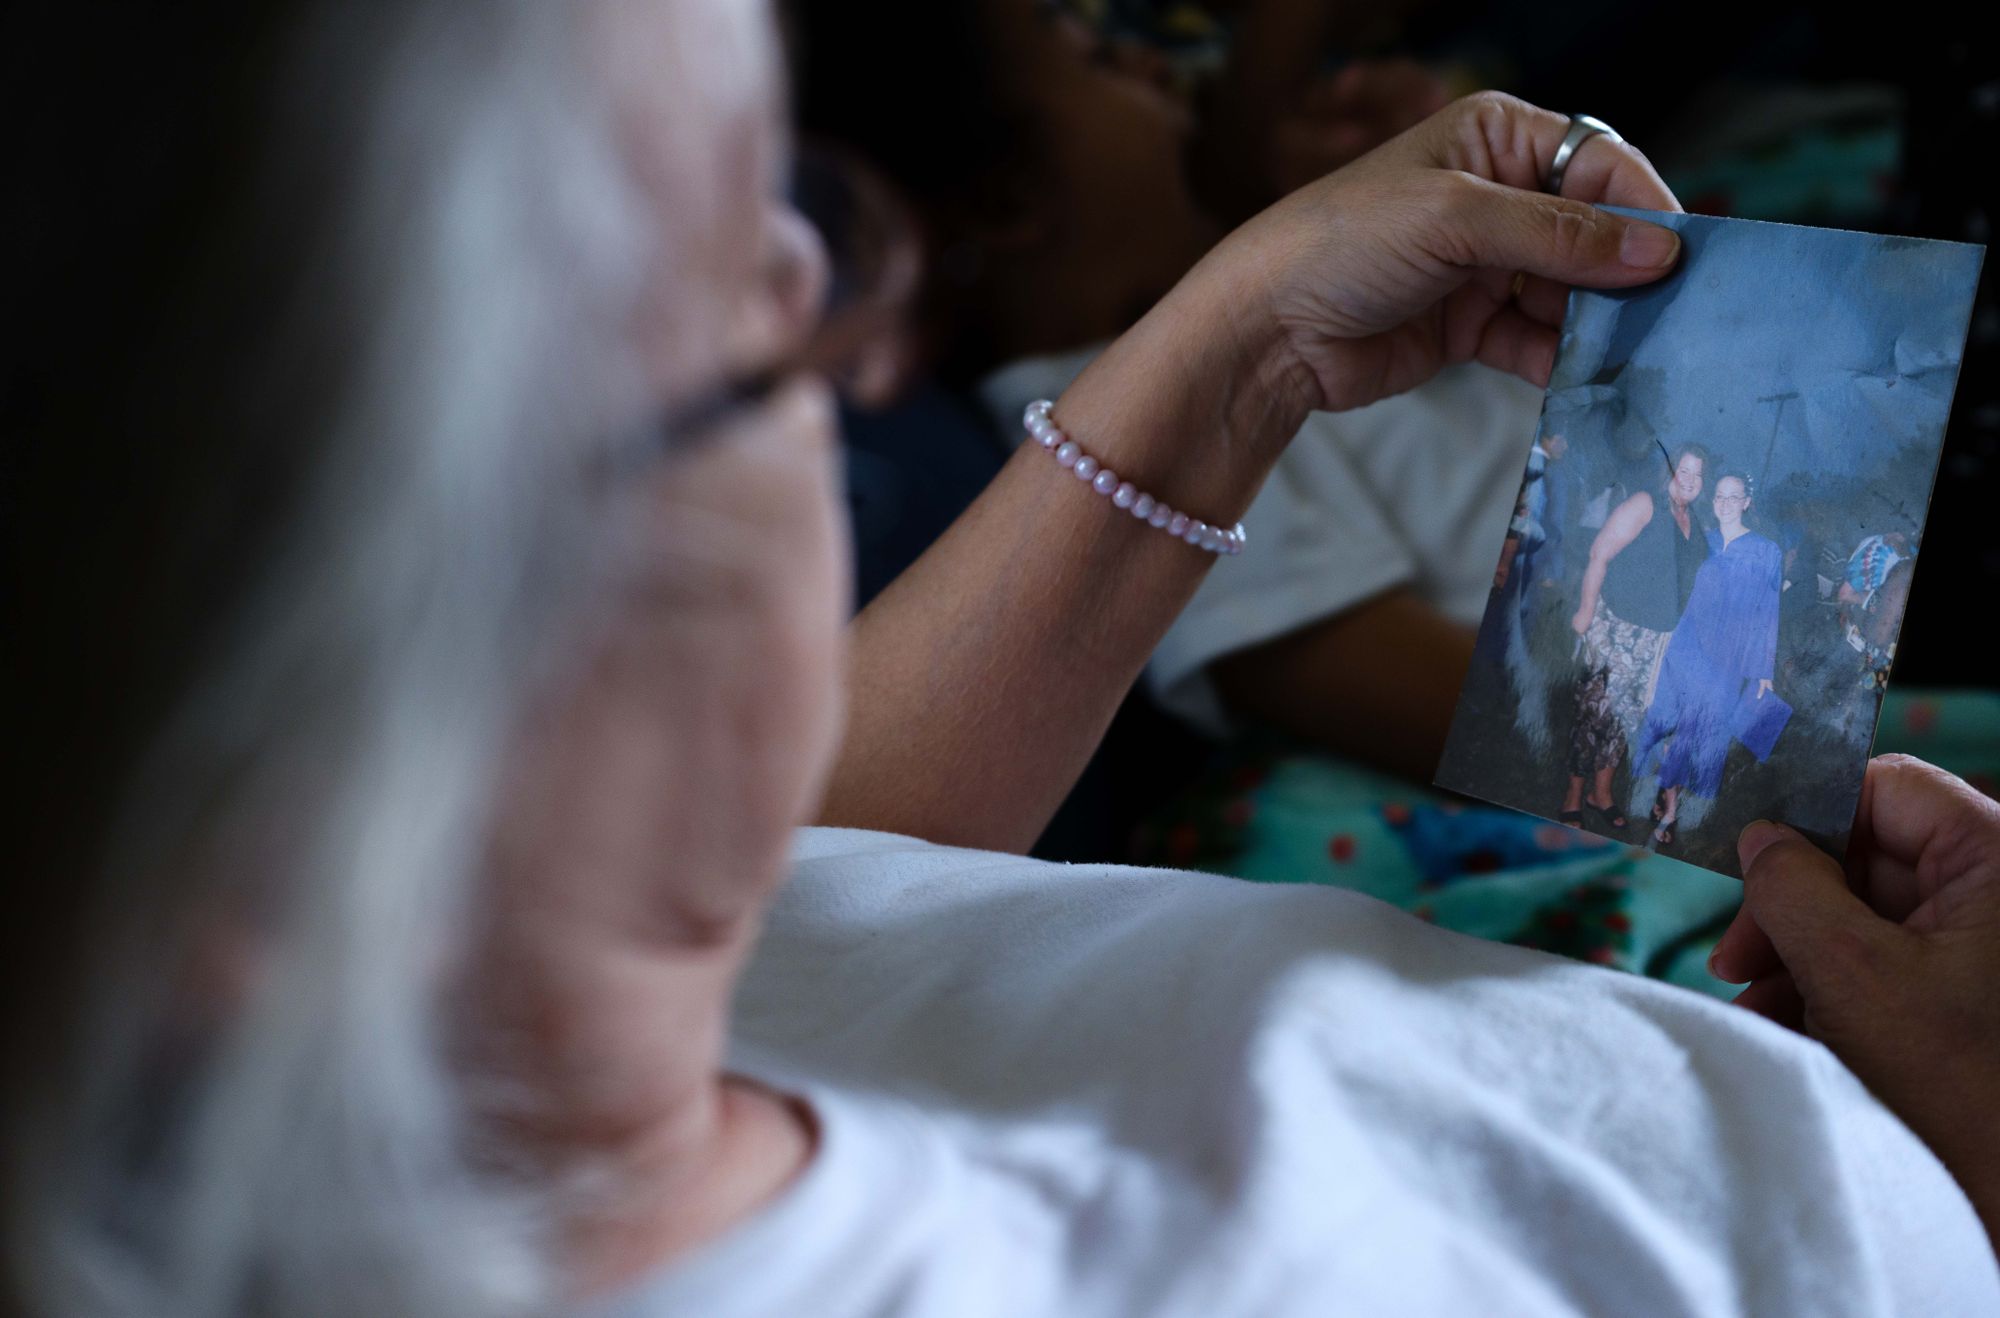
1036, 418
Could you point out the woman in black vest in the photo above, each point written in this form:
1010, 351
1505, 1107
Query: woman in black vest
1642, 569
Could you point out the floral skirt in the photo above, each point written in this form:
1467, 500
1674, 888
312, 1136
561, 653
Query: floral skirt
1621, 663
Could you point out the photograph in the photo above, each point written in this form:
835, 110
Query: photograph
1695, 608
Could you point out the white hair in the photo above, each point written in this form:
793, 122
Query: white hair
332, 439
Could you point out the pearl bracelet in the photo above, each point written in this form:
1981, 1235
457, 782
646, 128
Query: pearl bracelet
1123, 494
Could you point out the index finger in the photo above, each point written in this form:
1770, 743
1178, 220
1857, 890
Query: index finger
1506, 139
1918, 826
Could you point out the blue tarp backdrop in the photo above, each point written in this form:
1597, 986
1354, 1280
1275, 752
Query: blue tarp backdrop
1780, 348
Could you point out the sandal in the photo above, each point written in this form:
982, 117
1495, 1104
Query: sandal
1663, 836
1574, 818
1612, 816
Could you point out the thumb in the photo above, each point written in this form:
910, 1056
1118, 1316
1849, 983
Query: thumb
1828, 939
1567, 241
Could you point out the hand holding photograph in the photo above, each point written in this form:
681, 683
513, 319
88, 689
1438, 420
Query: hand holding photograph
1698, 599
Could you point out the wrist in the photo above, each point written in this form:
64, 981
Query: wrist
1196, 401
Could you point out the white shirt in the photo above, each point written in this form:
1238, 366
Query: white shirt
1412, 491
1090, 1091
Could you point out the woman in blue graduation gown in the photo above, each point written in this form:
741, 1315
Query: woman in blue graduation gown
1722, 652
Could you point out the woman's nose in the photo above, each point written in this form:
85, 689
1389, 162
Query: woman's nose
797, 273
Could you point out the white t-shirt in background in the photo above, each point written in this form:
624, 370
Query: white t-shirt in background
1090, 1091
1413, 491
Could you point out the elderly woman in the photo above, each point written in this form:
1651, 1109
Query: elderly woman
429, 637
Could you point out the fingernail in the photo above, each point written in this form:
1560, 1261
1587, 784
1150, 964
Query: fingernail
1648, 246
1756, 835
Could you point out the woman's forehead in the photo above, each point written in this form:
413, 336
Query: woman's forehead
699, 100
703, 76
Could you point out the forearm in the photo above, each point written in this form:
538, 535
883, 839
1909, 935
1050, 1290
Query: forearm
1593, 584
983, 678
1943, 1085
1377, 684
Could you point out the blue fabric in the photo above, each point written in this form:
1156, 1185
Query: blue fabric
1727, 640
1869, 565
1760, 721
1278, 814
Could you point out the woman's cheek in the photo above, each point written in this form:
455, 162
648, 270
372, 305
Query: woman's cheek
835, 607
803, 702
787, 681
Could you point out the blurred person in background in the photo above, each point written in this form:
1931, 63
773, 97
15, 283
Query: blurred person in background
1054, 180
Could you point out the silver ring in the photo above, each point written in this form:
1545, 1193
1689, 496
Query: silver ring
1582, 128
